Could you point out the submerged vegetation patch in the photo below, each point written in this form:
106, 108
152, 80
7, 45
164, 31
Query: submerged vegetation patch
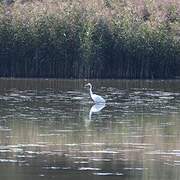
90, 39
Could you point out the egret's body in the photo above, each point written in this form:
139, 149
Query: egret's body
96, 98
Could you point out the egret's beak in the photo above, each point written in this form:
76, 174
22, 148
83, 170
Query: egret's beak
86, 85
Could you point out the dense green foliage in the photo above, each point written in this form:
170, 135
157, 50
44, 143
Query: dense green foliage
92, 39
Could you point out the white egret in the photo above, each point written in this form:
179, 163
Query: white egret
96, 98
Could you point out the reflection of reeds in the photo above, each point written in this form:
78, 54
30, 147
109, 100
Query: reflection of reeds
139, 143
104, 38
132, 141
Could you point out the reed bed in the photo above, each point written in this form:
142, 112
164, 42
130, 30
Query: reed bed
90, 38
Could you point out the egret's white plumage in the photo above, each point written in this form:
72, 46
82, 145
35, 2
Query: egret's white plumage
96, 98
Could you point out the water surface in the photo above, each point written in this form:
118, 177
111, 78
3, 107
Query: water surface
50, 129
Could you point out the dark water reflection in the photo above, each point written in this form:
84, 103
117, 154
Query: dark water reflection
49, 129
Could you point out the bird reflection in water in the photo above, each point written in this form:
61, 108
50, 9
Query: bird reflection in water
96, 108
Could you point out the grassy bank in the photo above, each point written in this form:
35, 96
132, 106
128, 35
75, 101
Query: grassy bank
90, 38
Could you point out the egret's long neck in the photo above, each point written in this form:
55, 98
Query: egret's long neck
90, 91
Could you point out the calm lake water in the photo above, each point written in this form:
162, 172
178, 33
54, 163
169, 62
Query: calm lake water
50, 129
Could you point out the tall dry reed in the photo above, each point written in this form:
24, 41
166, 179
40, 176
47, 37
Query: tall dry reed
90, 38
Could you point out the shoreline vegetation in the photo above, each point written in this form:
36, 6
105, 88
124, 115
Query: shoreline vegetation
90, 38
